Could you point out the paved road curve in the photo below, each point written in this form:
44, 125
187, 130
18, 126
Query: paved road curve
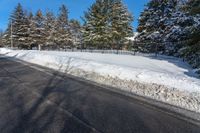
32, 101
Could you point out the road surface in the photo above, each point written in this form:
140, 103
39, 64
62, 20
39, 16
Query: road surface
32, 101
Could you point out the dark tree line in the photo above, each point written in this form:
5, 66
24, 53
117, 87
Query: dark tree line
28, 30
107, 24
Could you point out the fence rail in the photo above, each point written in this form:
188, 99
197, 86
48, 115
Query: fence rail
123, 52
117, 52
135, 48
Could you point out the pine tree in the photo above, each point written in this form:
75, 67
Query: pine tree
16, 20
6, 38
20, 28
32, 30
120, 23
75, 29
39, 33
193, 6
1, 37
155, 23
179, 26
50, 28
64, 37
192, 49
25, 29
96, 28
106, 22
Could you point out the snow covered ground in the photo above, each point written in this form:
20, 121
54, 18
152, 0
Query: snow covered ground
164, 71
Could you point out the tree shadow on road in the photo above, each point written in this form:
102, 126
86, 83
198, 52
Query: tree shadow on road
38, 109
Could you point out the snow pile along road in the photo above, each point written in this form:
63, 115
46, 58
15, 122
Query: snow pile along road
163, 78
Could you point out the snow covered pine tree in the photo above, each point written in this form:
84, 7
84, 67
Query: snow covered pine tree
20, 27
121, 27
50, 29
107, 24
96, 27
39, 32
192, 49
75, 29
154, 22
63, 36
175, 29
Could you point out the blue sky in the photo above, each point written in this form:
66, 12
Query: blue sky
76, 8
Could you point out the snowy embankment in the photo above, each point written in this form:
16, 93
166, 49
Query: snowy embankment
163, 78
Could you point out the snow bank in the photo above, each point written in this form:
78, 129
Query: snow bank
164, 78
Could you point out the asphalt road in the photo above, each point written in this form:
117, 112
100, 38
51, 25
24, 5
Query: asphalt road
32, 101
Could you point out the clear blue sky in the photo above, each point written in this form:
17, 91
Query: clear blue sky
76, 8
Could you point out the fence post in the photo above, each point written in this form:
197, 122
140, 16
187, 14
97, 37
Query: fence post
39, 47
117, 47
134, 44
156, 52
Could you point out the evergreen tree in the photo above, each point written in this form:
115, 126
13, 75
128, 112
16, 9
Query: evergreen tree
75, 28
1, 37
64, 37
39, 33
6, 39
192, 49
32, 30
154, 22
50, 28
193, 7
16, 21
182, 27
106, 22
96, 27
121, 23
179, 26
25, 28
20, 27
